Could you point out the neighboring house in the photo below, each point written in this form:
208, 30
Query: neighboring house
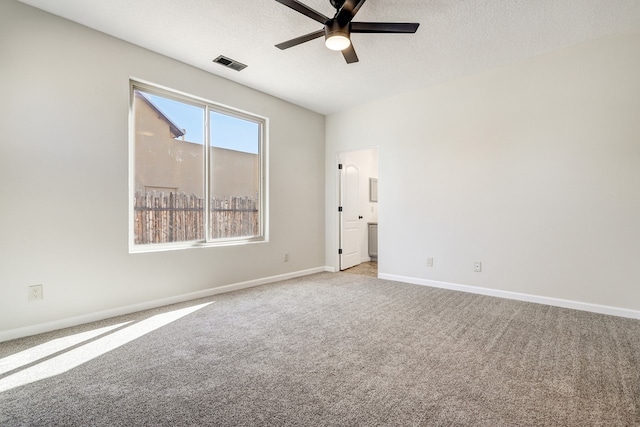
166, 161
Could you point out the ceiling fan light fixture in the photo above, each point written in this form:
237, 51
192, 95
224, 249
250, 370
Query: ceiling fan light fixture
337, 30
336, 37
337, 42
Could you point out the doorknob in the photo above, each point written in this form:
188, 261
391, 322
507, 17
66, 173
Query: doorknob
360, 217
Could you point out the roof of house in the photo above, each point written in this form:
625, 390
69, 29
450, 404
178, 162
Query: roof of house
174, 128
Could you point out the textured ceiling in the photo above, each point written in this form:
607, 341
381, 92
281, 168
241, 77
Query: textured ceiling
455, 38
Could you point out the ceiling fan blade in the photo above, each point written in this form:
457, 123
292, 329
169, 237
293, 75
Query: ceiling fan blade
305, 10
384, 27
350, 54
348, 11
300, 40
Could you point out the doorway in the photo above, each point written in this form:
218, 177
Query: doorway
358, 210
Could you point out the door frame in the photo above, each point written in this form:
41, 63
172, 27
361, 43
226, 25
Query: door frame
339, 197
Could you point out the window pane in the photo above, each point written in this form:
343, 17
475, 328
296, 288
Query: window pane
234, 177
169, 170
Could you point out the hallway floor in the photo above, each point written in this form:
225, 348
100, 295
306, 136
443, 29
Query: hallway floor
369, 268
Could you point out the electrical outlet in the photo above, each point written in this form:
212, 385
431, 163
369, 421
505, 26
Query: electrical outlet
35, 293
477, 267
430, 262
286, 257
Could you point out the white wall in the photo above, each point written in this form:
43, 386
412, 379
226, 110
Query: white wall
532, 169
367, 163
64, 176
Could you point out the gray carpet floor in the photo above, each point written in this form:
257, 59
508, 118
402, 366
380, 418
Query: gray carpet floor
337, 349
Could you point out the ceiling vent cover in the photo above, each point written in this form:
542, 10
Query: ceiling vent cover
230, 63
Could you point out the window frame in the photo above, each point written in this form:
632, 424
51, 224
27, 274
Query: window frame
208, 107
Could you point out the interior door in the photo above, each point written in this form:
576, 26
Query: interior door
349, 217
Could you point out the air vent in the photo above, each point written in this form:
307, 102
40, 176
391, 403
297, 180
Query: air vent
230, 63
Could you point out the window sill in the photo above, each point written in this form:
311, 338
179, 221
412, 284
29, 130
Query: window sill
164, 247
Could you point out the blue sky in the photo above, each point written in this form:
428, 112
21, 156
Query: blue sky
226, 131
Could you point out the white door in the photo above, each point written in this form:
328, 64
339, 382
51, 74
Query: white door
349, 217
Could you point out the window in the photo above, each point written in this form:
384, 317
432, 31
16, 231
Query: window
197, 171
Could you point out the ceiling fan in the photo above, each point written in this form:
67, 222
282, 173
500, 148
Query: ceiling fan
337, 30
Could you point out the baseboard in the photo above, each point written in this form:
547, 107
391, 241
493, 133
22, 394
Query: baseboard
557, 302
101, 315
330, 269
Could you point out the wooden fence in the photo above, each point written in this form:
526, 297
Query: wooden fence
175, 217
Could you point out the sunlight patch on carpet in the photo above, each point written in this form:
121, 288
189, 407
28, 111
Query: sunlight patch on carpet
47, 349
77, 356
